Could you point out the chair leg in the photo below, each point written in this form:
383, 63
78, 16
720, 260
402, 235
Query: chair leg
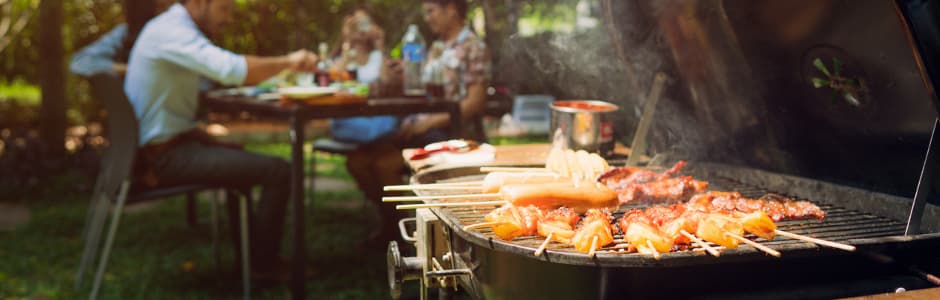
215, 228
97, 215
109, 241
192, 215
246, 263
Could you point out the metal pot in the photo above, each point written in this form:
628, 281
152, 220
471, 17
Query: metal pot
583, 125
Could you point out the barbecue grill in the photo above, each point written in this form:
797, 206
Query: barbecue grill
856, 149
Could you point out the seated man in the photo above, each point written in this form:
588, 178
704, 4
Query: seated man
466, 74
171, 53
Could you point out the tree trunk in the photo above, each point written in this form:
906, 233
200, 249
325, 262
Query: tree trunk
300, 21
502, 18
52, 80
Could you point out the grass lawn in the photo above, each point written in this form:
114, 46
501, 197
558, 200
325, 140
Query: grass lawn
158, 256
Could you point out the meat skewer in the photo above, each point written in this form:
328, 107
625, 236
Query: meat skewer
538, 252
710, 221
544, 195
642, 233
514, 169
776, 206
708, 248
511, 221
594, 231
490, 184
815, 240
450, 204
481, 225
411, 187
557, 225
638, 185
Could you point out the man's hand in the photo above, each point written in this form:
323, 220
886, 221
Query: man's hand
415, 126
390, 79
303, 61
262, 68
119, 68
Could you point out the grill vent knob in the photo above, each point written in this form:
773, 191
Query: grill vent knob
401, 269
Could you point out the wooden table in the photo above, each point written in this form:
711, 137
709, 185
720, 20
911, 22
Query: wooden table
297, 115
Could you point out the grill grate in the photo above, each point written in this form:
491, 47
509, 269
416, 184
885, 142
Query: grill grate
840, 224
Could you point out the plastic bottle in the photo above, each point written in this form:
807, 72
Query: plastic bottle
412, 50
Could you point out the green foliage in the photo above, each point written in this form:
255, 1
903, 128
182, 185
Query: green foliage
542, 16
19, 91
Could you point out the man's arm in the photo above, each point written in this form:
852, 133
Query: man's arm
99, 57
261, 68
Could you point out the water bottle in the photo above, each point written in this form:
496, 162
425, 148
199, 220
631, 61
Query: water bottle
412, 50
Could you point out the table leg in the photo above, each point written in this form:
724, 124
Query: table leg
297, 198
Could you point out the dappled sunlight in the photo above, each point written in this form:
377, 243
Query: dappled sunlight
216, 129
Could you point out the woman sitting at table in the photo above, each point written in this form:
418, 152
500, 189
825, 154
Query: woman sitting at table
466, 73
359, 55
359, 50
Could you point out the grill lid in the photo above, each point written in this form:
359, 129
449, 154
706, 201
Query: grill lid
826, 89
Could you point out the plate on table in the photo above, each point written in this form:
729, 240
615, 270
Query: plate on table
306, 92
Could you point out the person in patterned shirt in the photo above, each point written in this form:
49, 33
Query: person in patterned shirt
465, 74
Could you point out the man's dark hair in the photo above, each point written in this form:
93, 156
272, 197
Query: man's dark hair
461, 5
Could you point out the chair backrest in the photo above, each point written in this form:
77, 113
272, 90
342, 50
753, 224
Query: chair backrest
118, 160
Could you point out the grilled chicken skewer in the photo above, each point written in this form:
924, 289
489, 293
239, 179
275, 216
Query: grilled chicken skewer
557, 225
511, 221
594, 231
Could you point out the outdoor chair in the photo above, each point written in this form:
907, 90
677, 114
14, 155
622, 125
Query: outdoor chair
114, 186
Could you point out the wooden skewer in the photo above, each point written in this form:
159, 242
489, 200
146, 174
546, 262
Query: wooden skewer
437, 188
538, 252
754, 244
450, 204
656, 255
481, 225
593, 247
711, 250
421, 198
514, 169
815, 240
620, 246
408, 187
